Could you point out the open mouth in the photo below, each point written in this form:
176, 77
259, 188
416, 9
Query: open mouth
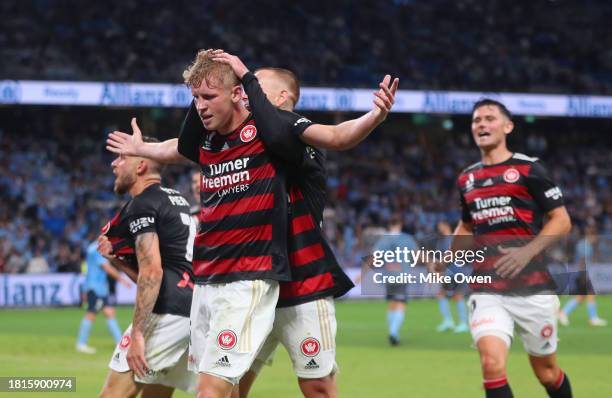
484, 134
205, 118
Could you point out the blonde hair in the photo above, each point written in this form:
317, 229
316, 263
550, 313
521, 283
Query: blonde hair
204, 68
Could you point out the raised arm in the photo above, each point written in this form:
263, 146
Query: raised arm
132, 145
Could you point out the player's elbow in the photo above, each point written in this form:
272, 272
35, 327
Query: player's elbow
564, 222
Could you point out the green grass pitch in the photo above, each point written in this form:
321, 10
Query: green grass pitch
426, 364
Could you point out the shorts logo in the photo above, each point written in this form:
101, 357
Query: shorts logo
226, 339
248, 133
511, 176
125, 342
310, 347
224, 362
312, 365
546, 331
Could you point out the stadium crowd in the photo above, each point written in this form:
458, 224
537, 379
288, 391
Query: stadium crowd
535, 46
56, 192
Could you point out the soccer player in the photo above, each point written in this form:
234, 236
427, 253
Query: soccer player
98, 297
396, 293
243, 180
453, 289
505, 198
584, 256
152, 239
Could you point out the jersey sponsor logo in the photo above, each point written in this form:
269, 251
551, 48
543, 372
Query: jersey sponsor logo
125, 342
546, 331
553, 193
310, 346
226, 339
494, 210
140, 223
248, 133
219, 179
511, 175
301, 120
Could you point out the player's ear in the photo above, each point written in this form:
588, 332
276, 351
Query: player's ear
508, 126
142, 167
237, 94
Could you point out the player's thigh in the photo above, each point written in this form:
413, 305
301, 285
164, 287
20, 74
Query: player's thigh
156, 391
488, 317
309, 335
120, 385
241, 317
536, 320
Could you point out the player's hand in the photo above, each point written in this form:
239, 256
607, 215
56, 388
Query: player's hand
125, 144
126, 283
237, 65
136, 355
105, 248
384, 98
513, 261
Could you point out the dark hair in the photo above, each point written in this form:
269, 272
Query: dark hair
157, 166
491, 102
290, 79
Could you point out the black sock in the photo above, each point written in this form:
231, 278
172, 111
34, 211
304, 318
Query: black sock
498, 389
563, 389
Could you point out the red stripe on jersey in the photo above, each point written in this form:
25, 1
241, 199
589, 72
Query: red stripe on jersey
122, 250
307, 286
514, 190
256, 173
301, 224
524, 215
240, 206
306, 255
295, 194
235, 236
491, 172
510, 232
240, 264
209, 157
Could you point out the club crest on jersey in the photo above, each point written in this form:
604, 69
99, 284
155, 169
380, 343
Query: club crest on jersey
511, 176
226, 339
546, 331
248, 133
310, 347
125, 342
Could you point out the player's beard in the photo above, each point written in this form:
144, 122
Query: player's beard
124, 183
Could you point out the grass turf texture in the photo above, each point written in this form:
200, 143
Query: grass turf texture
426, 364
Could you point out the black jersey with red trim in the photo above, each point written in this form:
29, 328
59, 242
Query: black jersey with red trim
314, 268
165, 212
243, 217
506, 204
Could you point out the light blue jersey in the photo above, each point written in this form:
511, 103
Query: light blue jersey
96, 279
389, 242
584, 249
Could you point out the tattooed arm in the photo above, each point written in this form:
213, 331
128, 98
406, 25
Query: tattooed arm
149, 281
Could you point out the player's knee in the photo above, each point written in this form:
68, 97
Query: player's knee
324, 387
493, 365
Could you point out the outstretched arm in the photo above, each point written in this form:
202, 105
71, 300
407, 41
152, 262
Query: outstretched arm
132, 145
342, 136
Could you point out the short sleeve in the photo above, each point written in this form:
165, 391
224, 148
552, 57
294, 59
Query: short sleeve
466, 215
192, 131
142, 217
545, 192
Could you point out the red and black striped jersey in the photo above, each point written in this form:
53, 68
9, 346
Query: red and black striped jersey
315, 272
506, 204
243, 217
165, 212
